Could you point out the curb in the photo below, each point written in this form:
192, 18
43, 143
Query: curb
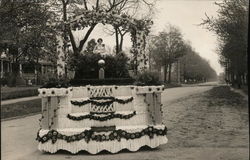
19, 117
17, 100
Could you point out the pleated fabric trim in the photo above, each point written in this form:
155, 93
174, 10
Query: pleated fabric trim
94, 147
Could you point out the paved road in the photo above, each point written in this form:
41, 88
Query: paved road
18, 137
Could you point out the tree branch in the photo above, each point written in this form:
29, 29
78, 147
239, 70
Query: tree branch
114, 5
72, 40
85, 4
67, 2
97, 4
83, 41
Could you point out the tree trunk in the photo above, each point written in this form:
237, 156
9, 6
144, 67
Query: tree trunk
65, 35
66, 71
36, 71
15, 73
246, 78
165, 73
121, 42
16, 79
169, 73
238, 79
117, 40
84, 40
232, 78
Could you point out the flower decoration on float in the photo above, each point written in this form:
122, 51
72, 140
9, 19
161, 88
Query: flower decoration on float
109, 101
88, 135
105, 118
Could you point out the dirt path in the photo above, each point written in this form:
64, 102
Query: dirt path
201, 127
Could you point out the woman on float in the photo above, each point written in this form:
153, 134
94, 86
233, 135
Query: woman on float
100, 47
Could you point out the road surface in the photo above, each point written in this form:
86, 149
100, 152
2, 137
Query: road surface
18, 136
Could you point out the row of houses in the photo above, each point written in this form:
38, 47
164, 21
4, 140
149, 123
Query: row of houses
31, 73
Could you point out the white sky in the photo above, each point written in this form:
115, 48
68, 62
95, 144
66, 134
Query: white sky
186, 15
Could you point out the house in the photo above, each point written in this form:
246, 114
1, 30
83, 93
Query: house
32, 73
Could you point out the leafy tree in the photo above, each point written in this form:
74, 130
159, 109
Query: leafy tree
26, 32
194, 67
166, 48
231, 26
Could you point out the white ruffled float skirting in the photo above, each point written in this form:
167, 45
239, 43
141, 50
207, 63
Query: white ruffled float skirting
94, 147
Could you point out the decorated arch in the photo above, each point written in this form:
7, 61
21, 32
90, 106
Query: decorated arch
139, 29
104, 117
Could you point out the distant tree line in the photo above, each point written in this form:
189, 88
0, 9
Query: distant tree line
194, 67
168, 47
231, 26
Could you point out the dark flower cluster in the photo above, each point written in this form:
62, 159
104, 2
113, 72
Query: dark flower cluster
98, 118
109, 101
88, 135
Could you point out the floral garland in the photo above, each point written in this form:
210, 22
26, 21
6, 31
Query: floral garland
105, 118
89, 17
139, 29
110, 101
90, 135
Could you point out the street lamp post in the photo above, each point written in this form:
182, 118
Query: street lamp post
101, 63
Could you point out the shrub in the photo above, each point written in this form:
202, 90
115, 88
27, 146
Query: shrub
11, 80
45, 78
107, 81
143, 79
20, 81
86, 66
147, 78
4, 81
56, 83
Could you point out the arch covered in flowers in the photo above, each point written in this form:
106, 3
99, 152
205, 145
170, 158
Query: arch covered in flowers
139, 29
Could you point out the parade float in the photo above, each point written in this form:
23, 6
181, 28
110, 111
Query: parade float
109, 117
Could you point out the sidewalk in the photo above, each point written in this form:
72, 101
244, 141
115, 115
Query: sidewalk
200, 84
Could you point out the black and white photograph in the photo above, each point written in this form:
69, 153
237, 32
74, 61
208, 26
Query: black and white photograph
124, 79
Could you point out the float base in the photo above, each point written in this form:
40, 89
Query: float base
94, 147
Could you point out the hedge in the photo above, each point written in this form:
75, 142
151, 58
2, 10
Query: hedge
107, 81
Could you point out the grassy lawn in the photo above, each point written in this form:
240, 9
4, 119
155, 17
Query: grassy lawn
217, 119
222, 95
244, 88
172, 85
18, 92
21, 108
